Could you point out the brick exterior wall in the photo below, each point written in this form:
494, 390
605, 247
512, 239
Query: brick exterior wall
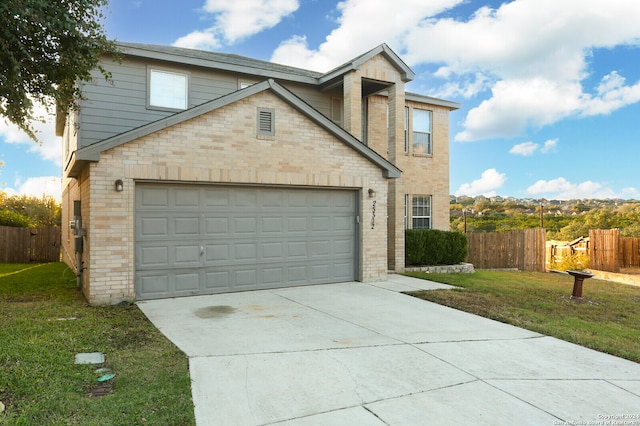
220, 147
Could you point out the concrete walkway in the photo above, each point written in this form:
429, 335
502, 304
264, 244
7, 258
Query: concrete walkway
365, 354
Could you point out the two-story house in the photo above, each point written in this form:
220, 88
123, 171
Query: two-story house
193, 172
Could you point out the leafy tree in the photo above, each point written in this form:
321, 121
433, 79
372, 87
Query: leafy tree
46, 47
25, 211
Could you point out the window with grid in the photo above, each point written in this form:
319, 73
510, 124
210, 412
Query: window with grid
421, 126
421, 212
168, 90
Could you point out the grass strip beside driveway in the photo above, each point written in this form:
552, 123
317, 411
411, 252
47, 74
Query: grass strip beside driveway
607, 319
45, 322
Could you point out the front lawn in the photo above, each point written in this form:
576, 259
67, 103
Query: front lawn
607, 319
45, 322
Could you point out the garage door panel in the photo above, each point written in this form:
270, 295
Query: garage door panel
186, 255
148, 257
217, 253
343, 224
320, 248
188, 281
154, 197
245, 278
186, 226
245, 225
201, 239
272, 200
216, 197
246, 252
272, 250
296, 250
246, 199
153, 226
154, 284
343, 247
216, 226
272, 225
272, 276
297, 224
217, 280
187, 198
321, 224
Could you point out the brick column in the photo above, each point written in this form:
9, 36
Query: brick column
396, 192
353, 103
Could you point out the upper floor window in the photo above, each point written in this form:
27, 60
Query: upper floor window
421, 127
168, 90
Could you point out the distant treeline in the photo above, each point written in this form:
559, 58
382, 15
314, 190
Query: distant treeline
562, 222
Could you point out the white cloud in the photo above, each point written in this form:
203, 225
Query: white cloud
562, 189
537, 53
524, 148
37, 187
363, 24
489, 182
199, 40
549, 146
237, 19
529, 148
50, 146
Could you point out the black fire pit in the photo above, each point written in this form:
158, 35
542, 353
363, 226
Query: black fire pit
579, 277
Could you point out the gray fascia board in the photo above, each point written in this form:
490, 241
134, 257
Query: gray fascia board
234, 68
390, 170
434, 101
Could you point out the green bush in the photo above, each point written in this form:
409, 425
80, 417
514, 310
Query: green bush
11, 218
425, 247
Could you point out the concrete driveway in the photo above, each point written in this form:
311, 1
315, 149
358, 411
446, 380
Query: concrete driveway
365, 354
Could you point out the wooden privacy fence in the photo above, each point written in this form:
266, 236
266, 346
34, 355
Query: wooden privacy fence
604, 250
524, 250
610, 252
629, 252
29, 245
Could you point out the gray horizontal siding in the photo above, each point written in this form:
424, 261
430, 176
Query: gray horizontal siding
117, 106
317, 99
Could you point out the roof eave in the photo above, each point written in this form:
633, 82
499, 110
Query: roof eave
199, 62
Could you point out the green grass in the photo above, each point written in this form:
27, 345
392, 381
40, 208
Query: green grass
607, 319
41, 384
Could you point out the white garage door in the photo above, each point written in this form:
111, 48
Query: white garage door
204, 239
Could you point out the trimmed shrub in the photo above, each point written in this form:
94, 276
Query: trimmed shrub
428, 247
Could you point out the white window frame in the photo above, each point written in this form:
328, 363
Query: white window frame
174, 96
421, 147
406, 129
421, 211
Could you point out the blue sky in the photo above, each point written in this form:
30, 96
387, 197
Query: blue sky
550, 90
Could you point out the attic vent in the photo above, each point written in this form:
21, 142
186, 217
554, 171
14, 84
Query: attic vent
266, 125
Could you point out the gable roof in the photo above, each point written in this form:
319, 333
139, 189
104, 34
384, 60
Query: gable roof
92, 153
405, 72
241, 64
